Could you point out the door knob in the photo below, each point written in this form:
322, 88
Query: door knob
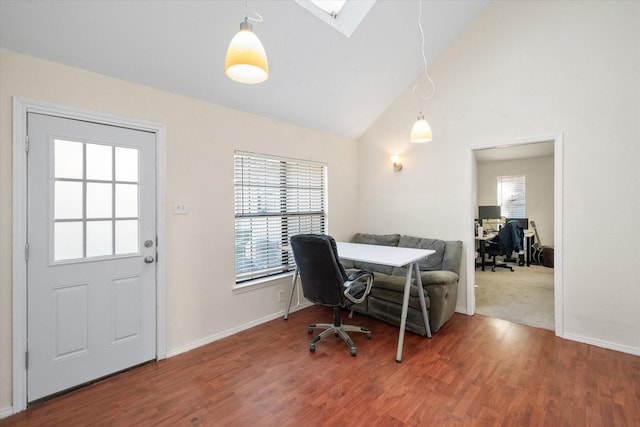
148, 259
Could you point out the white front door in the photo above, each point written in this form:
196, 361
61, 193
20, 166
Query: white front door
91, 233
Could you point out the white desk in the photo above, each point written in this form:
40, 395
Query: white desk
393, 256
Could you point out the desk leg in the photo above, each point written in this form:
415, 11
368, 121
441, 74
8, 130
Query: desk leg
423, 304
293, 289
529, 240
403, 315
482, 249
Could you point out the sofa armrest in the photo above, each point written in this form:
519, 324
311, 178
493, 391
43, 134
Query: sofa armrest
452, 258
443, 299
441, 277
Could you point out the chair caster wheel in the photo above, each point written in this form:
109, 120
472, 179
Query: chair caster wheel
369, 335
309, 331
312, 348
353, 352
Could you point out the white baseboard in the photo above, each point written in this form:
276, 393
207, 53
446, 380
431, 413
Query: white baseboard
232, 331
463, 310
585, 340
604, 344
5, 412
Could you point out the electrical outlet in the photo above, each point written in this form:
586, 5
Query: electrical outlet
280, 296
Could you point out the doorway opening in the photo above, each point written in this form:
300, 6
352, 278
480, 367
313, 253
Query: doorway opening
532, 293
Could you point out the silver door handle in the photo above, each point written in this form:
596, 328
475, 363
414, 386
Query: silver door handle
148, 259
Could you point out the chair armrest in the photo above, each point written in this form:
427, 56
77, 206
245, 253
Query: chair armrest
357, 277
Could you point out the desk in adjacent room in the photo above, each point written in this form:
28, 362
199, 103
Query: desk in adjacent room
529, 240
482, 243
395, 257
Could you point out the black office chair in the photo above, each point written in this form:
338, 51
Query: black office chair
324, 282
494, 250
509, 238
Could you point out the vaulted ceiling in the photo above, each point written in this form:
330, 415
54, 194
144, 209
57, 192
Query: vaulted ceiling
319, 78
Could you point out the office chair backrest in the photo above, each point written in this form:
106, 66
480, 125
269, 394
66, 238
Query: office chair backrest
320, 269
511, 237
504, 231
524, 222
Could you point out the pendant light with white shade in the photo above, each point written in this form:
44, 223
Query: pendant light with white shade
421, 131
246, 60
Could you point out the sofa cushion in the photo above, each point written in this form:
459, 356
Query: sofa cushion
347, 264
375, 239
385, 295
432, 262
396, 283
391, 289
392, 283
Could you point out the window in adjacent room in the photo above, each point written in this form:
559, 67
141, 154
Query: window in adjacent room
275, 198
511, 196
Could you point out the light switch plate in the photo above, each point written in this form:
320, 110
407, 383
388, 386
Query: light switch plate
180, 207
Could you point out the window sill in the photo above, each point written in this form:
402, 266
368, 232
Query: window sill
263, 283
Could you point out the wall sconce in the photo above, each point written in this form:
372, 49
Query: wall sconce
397, 166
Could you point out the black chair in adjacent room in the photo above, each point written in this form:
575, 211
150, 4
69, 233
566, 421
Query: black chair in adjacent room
510, 238
325, 282
493, 250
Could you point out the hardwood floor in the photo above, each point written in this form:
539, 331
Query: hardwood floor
474, 371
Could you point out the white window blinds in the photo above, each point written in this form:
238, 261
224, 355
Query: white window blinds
275, 198
511, 196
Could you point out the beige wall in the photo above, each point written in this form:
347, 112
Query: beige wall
200, 141
529, 70
539, 189
520, 71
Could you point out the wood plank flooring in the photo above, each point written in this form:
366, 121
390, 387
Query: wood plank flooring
474, 371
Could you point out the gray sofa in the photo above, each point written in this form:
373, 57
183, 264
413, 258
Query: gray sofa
440, 273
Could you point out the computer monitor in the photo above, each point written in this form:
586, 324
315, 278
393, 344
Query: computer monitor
524, 222
488, 212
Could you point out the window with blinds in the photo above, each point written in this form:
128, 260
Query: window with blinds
511, 196
275, 198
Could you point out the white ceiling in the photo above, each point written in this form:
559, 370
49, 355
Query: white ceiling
319, 78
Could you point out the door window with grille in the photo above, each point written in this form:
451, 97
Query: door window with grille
275, 198
95, 203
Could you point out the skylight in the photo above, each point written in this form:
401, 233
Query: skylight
342, 15
332, 7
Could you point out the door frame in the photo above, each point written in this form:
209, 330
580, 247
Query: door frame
558, 186
21, 107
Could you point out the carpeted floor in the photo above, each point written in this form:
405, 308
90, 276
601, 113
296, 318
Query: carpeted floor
524, 296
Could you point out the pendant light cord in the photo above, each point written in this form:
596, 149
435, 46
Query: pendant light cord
247, 11
424, 60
